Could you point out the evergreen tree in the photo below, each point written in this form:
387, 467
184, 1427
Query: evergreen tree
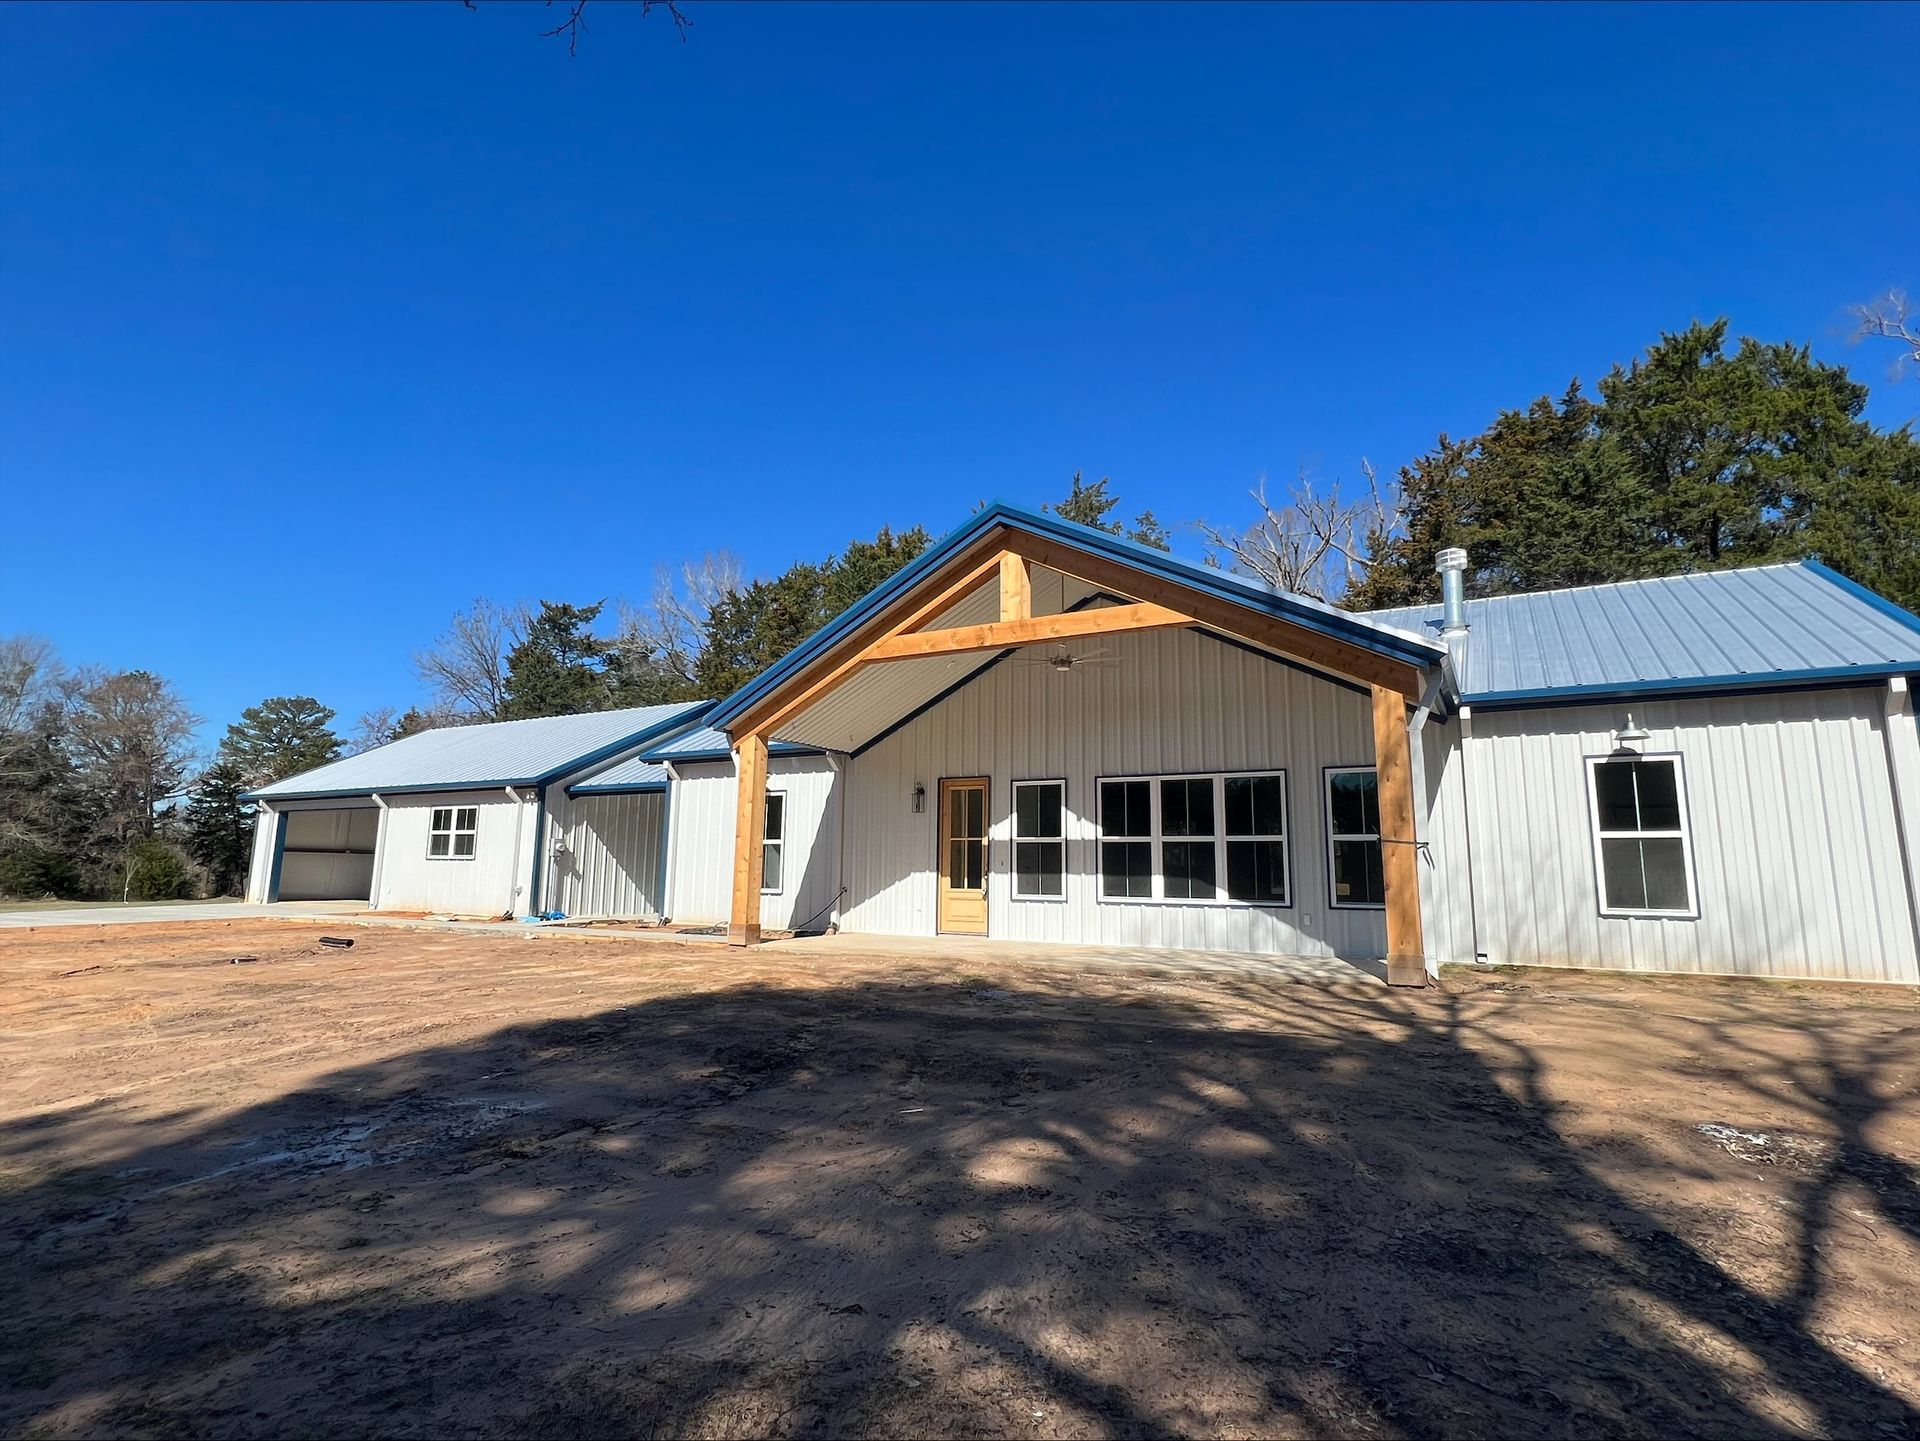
282, 736
218, 827
1087, 503
752, 627
1691, 458
561, 668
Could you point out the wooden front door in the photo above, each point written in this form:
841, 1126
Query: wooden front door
963, 858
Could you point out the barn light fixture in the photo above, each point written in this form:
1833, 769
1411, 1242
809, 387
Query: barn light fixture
1630, 737
919, 799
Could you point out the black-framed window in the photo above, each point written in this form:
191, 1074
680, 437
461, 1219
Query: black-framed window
1214, 838
1039, 840
1355, 875
453, 833
1126, 839
1643, 851
1256, 837
1189, 865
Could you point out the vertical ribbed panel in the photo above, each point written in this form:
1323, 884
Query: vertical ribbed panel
611, 865
1172, 701
1797, 856
700, 889
490, 884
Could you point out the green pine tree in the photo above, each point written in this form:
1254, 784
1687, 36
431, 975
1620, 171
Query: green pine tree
218, 827
1087, 503
561, 667
282, 736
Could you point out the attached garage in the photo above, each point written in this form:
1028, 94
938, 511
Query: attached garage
327, 855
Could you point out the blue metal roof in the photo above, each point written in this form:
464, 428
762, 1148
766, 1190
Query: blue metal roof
632, 774
704, 743
504, 753
1764, 626
1414, 648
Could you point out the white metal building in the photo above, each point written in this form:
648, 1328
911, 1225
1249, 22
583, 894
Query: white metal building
461, 821
1042, 732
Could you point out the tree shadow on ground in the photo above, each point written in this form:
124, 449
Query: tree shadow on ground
919, 1208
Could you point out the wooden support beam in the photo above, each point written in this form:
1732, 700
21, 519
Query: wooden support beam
1016, 587
1037, 630
846, 658
1342, 658
749, 838
1399, 853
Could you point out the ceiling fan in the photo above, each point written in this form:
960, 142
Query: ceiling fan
1062, 660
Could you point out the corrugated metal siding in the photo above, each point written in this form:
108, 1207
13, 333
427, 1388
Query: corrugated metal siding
700, 884
1446, 900
1716, 625
493, 883
500, 754
1797, 855
611, 866
1176, 701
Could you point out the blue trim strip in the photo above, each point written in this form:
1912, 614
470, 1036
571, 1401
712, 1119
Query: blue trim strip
778, 748
1215, 583
1690, 687
539, 851
1860, 593
279, 856
666, 839
637, 789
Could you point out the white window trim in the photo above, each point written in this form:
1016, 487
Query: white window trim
1157, 840
1326, 802
1013, 848
1683, 834
452, 832
779, 845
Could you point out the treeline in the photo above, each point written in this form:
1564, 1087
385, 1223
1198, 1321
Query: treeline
1696, 455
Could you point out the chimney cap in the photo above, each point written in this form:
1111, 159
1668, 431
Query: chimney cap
1452, 558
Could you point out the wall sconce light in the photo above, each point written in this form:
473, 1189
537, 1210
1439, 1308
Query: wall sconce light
919, 799
1630, 737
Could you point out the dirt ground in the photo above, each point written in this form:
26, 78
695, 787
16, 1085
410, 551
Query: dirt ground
469, 1185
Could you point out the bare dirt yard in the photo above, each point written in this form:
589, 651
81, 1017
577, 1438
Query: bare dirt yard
468, 1185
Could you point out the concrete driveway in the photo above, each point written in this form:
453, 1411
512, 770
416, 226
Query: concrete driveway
138, 914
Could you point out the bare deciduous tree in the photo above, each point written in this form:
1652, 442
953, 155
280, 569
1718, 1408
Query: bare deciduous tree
32, 702
466, 668
1891, 317
1313, 544
132, 737
670, 631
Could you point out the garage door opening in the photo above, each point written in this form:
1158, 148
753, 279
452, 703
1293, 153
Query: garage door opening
328, 855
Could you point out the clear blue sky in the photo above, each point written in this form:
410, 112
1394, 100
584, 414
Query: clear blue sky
317, 321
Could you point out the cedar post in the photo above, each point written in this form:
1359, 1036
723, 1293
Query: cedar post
749, 836
1016, 588
1399, 856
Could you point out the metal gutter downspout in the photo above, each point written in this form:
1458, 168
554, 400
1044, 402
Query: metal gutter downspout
1903, 772
839, 760
539, 849
513, 794
667, 876
379, 853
